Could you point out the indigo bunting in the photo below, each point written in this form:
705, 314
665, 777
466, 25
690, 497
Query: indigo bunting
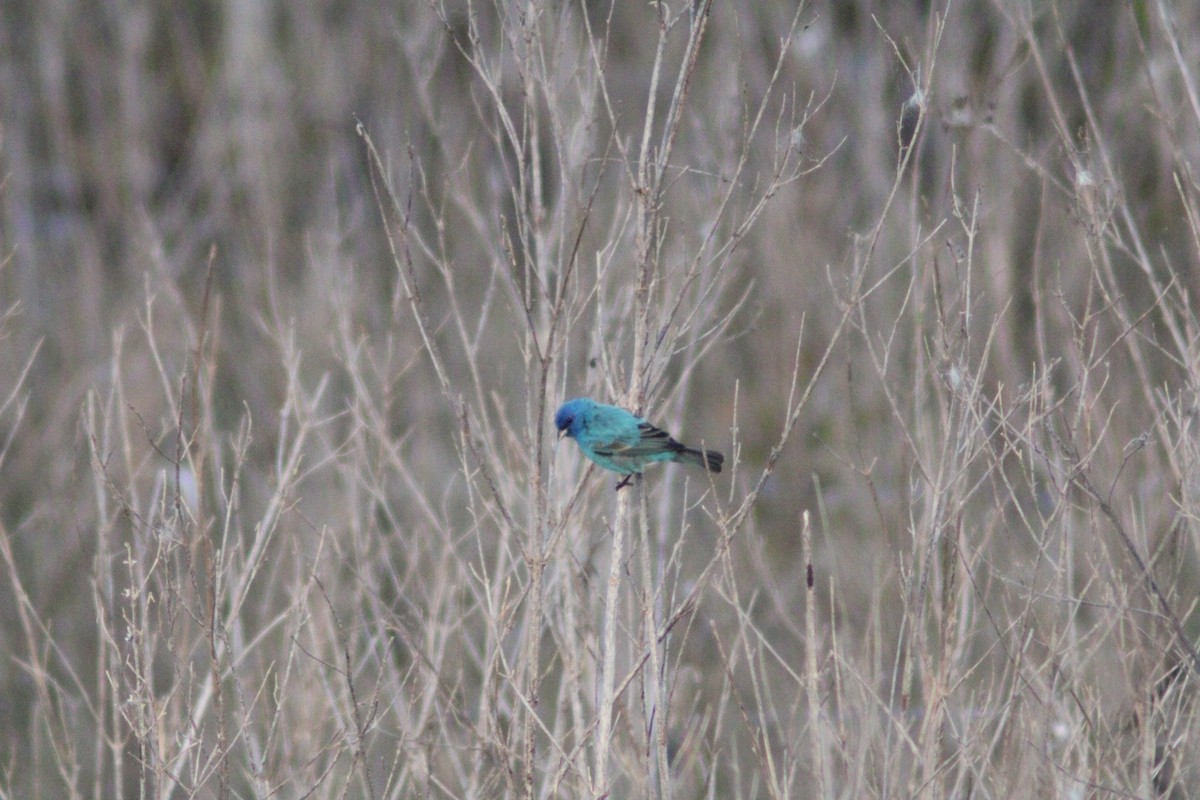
623, 442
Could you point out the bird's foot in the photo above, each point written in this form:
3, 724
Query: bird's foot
625, 481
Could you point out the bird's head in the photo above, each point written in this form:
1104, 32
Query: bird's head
569, 417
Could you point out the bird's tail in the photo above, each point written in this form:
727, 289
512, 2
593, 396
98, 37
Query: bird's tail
711, 460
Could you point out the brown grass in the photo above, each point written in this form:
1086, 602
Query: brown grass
288, 297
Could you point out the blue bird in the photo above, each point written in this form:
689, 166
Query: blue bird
623, 442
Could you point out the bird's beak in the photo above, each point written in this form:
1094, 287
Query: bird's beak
562, 434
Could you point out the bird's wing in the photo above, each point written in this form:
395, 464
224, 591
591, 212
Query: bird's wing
650, 441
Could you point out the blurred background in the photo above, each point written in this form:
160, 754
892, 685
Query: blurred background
981, 256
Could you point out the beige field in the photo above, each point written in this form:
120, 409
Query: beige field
289, 293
